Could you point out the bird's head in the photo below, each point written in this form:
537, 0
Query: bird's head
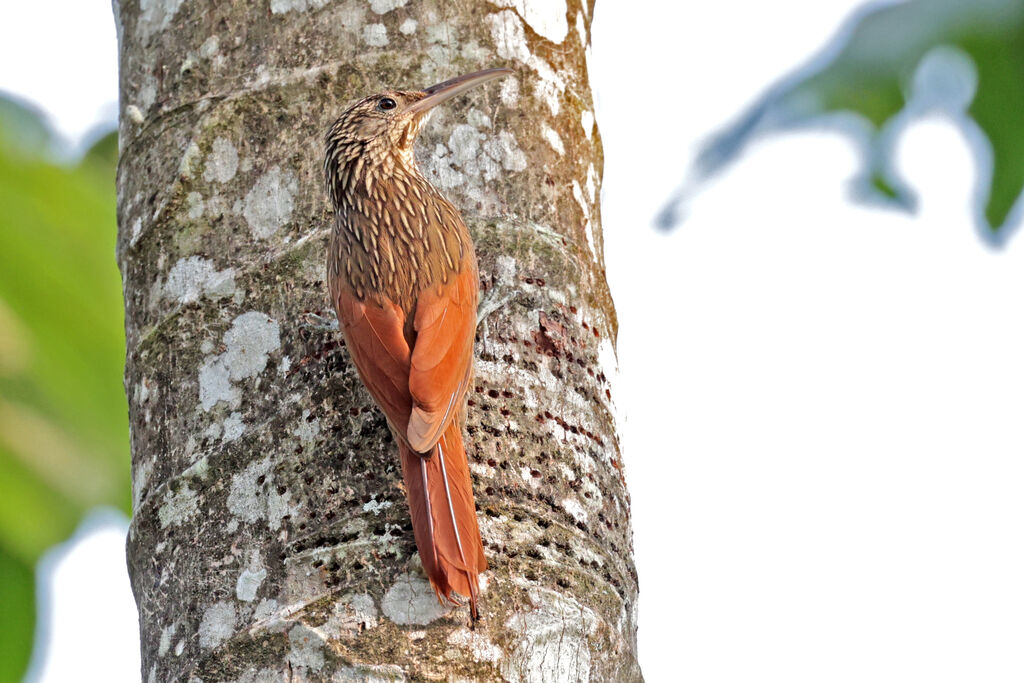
383, 127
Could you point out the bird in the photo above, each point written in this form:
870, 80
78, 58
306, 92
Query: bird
402, 277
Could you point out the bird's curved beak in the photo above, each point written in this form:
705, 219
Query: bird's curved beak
441, 92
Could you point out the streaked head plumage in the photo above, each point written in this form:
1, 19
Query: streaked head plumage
377, 133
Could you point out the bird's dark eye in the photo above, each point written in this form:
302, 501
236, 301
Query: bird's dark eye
386, 104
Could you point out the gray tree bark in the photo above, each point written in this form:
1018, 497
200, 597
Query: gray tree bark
271, 538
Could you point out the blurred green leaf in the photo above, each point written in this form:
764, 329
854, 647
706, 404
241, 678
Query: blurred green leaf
63, 413
102, 156
18, 616
896, 60
23, 132
32, 516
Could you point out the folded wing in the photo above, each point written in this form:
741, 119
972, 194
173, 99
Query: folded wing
442, 358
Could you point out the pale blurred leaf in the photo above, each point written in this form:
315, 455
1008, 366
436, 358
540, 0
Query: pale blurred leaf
894, 61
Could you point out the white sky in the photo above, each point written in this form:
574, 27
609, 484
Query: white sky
62, 56
823, 441
88, 611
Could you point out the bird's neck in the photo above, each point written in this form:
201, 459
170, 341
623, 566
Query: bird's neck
360, 171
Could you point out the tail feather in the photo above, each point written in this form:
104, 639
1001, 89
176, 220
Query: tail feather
440, 495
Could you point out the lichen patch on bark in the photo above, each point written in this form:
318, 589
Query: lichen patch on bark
282, 6
546, 17
194, 277
269, 204
555, 633
250, 579
411, 600
218, 624
179, 506
222, 163
252, 337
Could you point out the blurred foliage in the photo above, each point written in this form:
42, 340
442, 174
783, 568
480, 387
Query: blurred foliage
63, 413
18, 592
896, 60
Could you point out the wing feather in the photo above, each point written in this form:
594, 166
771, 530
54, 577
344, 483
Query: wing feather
442, 357
374, 335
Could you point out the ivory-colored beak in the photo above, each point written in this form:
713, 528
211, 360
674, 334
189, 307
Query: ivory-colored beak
444, 91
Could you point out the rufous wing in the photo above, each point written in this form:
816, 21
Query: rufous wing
442, 356
373, 330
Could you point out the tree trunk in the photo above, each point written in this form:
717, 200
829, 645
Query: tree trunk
271, 537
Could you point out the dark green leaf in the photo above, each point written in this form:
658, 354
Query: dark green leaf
17, 618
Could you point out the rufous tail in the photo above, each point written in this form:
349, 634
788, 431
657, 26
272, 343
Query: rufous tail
440, 495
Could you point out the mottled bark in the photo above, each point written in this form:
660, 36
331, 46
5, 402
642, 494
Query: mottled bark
271, 537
